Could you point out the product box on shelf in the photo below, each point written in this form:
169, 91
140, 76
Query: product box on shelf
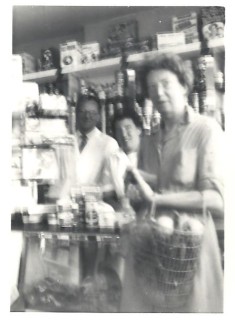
120, 35
52, 127
166, 40
213, 20
40, 130
126, 31
28, 62
187, 24
49, 59
145, 45
70, 54
53, 102
90, 52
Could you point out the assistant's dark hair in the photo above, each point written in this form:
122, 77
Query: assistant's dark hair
170, 62
127, 113
91, 96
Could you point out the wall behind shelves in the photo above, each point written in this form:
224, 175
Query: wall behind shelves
149, 21
34, 48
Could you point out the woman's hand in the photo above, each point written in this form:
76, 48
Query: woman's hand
144, 188
133, 193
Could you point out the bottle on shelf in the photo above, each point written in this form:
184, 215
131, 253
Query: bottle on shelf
72, 103
83, 87
195, 101
155, 121
122, 83
205, 80
110, 109
147, 116
102, 99
219, 81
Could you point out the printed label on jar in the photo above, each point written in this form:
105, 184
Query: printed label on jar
92, 218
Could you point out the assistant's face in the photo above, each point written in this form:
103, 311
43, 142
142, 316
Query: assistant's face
167, 93
128, 135
88, 116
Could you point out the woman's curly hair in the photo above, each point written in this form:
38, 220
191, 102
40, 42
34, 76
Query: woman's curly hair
171, 62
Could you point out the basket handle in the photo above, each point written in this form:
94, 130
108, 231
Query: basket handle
152, 211
204, 209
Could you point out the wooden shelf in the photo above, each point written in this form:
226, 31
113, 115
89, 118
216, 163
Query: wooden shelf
109, 66
186, 51
106, 65
41, 76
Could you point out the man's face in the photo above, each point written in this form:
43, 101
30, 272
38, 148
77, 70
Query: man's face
128, 135
88, 116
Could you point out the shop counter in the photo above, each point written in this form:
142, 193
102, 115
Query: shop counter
76, 270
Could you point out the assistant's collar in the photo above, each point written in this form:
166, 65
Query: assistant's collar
89, 135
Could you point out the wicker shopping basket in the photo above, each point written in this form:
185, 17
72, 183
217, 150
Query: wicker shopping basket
165, 261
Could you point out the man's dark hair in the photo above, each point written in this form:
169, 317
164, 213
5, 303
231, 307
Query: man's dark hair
91, 96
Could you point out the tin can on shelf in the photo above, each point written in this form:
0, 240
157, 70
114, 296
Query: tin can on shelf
77, 221
91, 212
78, 207
195, 101
64, 213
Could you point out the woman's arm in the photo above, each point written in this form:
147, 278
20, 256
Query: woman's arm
192, 200
149, 178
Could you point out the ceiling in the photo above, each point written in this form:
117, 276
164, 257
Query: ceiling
30, 22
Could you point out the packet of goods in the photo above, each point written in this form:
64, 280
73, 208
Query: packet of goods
187, 24
168, 40
213, 20
147, 116
70, 55
90, 52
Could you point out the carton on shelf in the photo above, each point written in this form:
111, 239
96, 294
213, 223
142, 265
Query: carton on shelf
166, 40
90, 52
70, 54
187, 24
213, 20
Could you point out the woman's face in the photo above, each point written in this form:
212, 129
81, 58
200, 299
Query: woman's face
166, 92
128, 135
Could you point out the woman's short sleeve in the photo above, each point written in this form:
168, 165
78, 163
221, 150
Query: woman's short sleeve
211, 157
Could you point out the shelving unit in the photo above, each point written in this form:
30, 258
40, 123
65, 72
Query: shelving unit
187, 51
41, 76
107, 67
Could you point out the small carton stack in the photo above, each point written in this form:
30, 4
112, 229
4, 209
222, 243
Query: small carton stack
166, 40
187, 24
90, 52
213, 20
